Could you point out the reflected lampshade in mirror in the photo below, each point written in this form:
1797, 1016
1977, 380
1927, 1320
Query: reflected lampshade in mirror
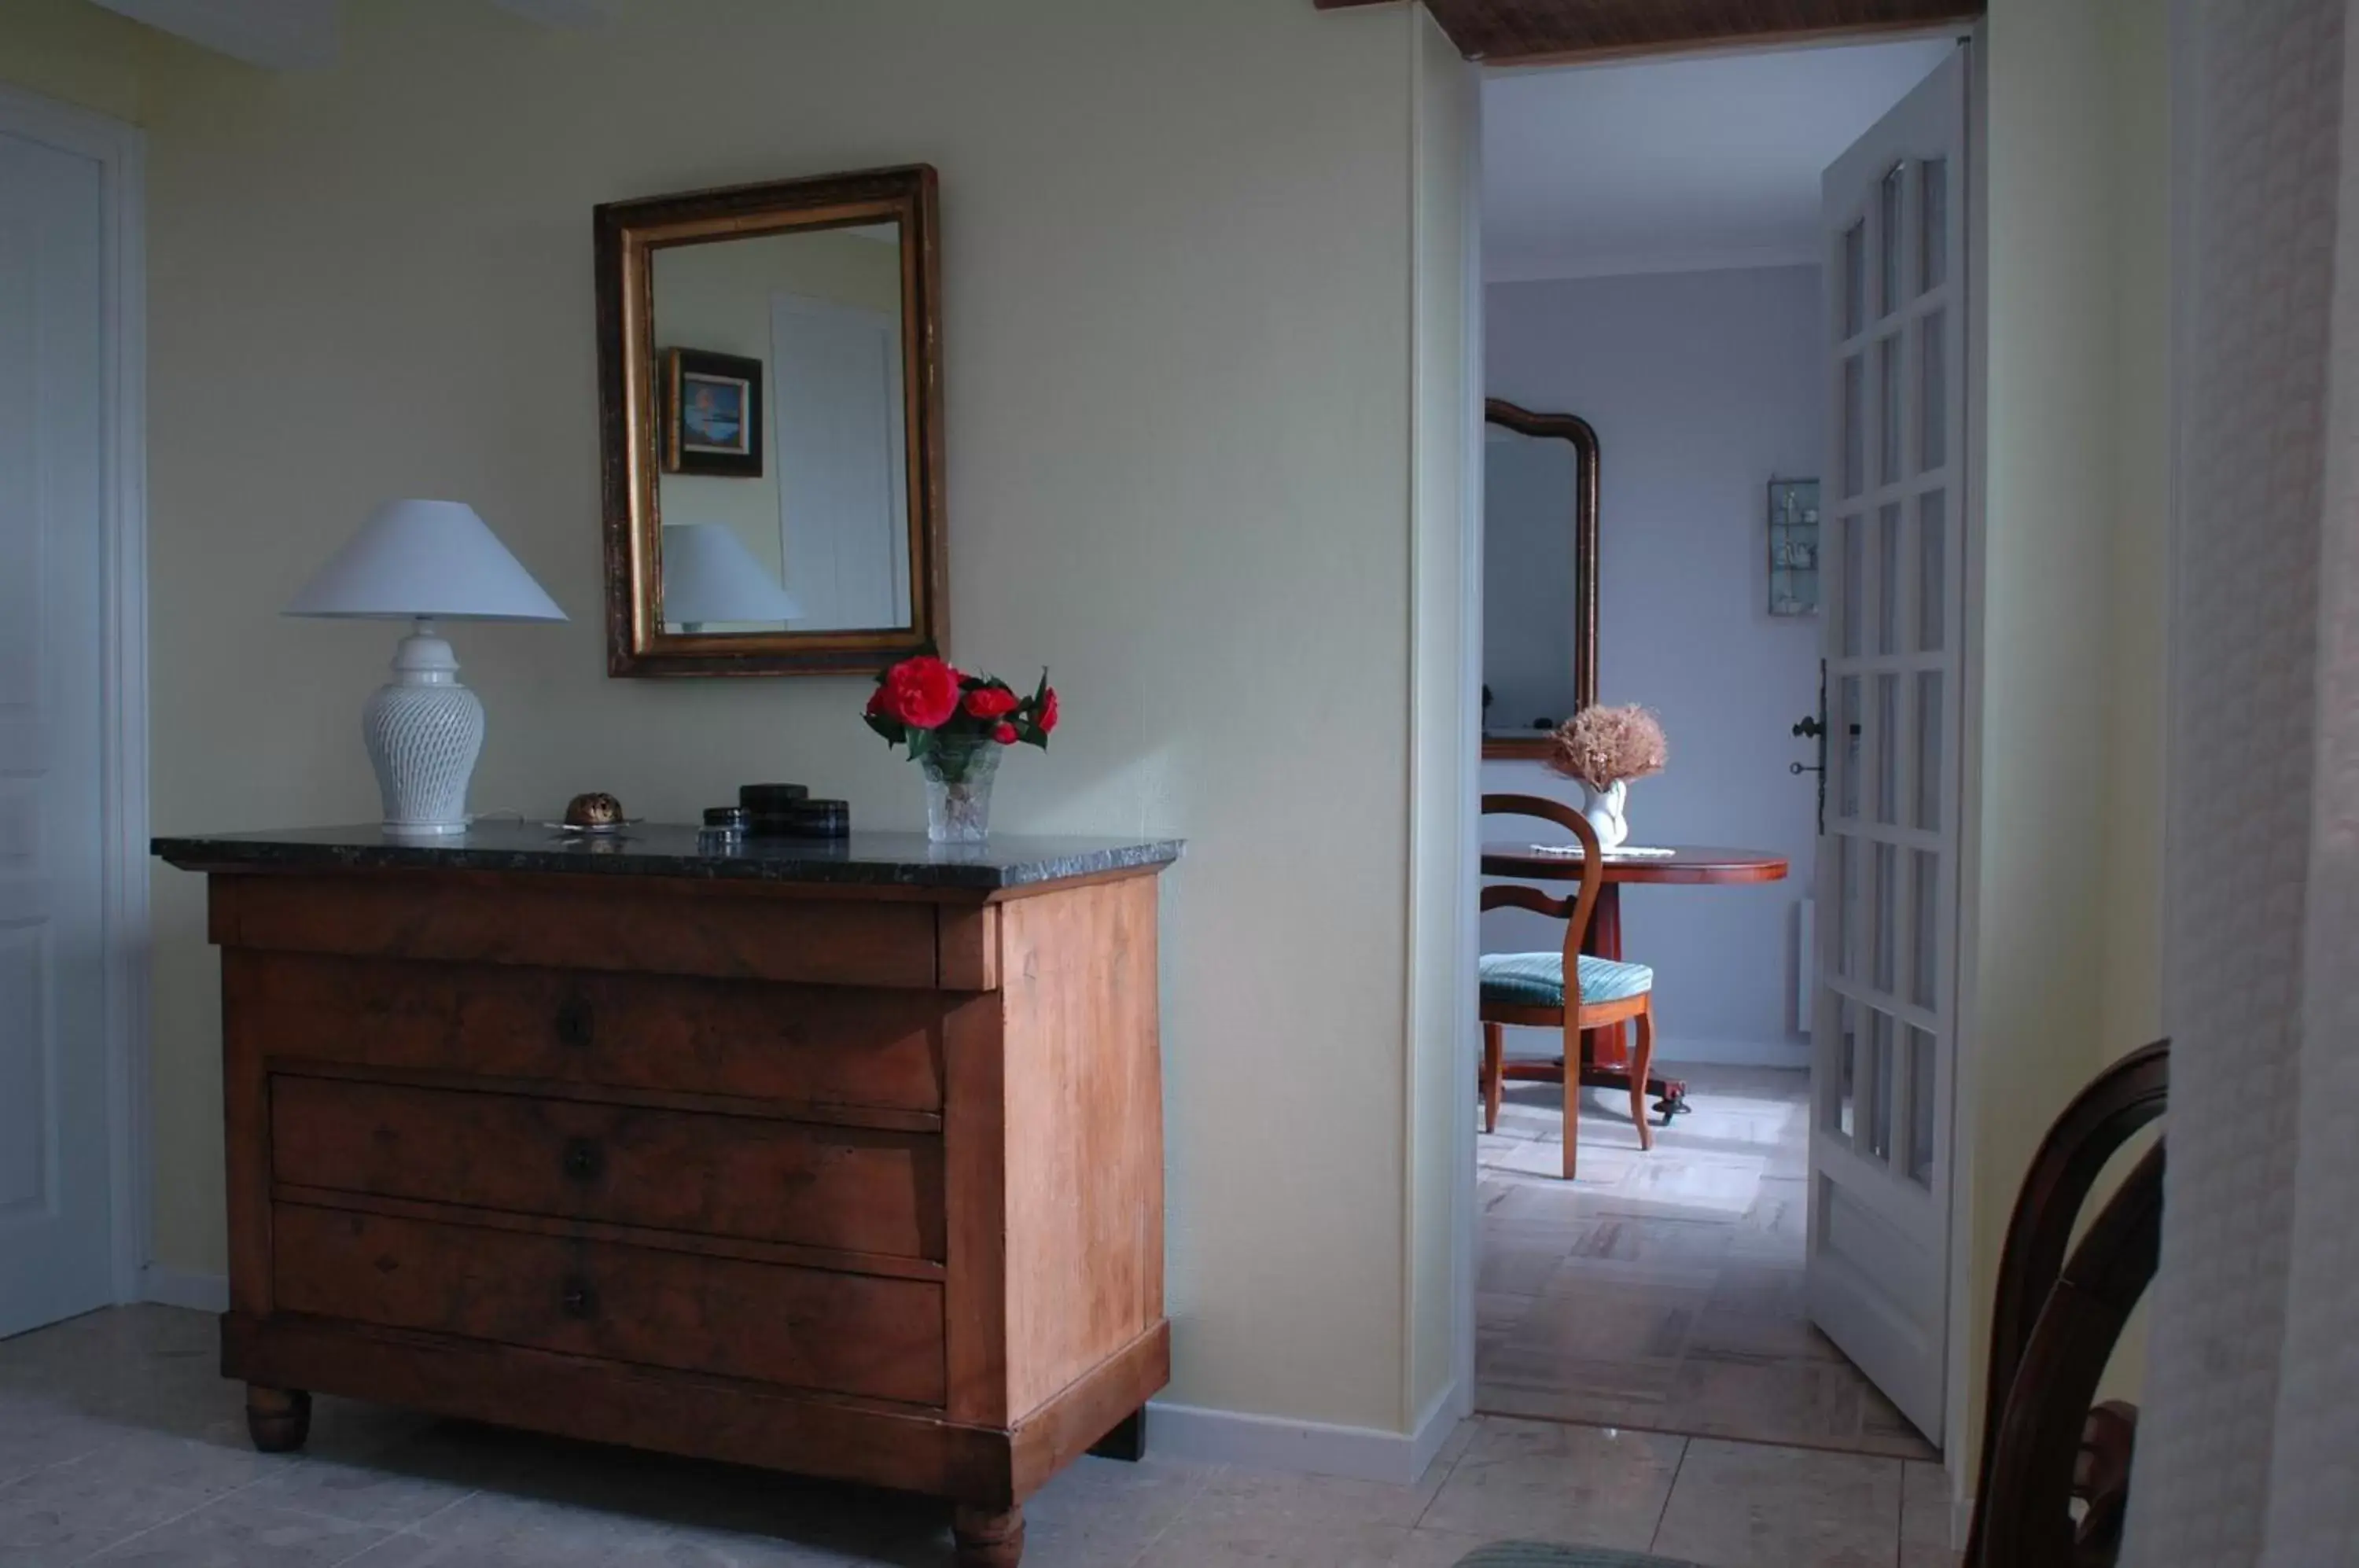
710, 576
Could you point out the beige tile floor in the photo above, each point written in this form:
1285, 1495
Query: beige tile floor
1663, 1290
119, 1445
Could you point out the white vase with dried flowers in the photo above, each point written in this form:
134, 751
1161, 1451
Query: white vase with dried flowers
1603, 750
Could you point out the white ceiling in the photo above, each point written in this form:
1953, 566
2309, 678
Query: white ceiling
1677, 165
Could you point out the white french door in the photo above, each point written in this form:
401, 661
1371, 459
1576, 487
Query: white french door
1893, 553
57, 1230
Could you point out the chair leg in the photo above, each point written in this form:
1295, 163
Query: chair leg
1494, 1068
1572, 1102
1642, 1064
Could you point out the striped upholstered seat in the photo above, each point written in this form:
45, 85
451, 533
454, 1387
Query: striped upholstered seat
1539, 1554
1537, 979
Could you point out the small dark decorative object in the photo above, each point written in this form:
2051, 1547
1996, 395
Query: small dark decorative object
769, 808
596, 810
712, 414
815, 819
724, 832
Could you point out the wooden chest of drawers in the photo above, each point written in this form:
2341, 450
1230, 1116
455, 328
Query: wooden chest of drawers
854, 1181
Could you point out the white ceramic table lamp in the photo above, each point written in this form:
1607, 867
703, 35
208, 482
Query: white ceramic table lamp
424, 561
709, 575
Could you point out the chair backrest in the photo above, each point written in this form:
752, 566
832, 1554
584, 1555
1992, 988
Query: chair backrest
2054, 1326
1574, 910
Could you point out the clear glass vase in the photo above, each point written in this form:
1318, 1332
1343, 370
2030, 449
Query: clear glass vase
958, 791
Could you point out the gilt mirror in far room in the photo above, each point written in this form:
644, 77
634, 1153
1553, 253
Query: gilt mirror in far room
1539, 575
770, 410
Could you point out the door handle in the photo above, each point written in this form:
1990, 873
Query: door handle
1810, 728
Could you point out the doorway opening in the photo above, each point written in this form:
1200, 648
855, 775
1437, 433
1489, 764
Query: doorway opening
1747, 274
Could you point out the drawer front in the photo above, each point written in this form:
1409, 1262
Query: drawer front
797, 1044
584, 923
815, 1185
801, 1328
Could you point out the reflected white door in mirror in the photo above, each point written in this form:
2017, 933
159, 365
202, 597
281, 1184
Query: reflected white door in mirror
424, 561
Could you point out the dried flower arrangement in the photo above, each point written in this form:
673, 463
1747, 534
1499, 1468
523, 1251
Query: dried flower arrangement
1604, 747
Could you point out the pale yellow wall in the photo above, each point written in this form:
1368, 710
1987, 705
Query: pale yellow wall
2066, 851
1442, 735
1178, 294
717, 297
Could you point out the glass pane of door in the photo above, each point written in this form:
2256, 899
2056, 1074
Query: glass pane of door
1934, 402
1854, 280
1854, 413
1929, 750
1932, 223
1877, 1085
1889, 388
1888, 567
1921, 1069
1843, 755
1889, 242
1932, 570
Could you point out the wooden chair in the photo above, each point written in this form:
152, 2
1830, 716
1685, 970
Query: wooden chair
2053, 1327
1569, 990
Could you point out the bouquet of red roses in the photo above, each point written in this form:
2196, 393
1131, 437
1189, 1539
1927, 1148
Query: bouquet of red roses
939, 711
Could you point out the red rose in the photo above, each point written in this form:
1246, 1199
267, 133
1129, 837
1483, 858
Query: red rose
1005, 734
922, 692
990, 703
877, 708
1046, 720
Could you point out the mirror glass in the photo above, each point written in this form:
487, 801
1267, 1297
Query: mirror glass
1529, 581
783, 452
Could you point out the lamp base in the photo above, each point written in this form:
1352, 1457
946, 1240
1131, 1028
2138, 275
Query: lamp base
424, 731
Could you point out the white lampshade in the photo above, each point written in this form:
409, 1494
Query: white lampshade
425, 561
709, 575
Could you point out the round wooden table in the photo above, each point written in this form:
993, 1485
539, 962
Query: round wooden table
1606, 1053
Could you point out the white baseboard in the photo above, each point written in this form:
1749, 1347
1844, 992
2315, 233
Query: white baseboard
184, 1288
1271, 1442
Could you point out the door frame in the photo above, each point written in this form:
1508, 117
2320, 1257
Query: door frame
1959, 1396
120, 151
1958, 1399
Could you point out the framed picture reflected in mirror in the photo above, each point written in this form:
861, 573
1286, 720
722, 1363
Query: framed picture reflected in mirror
712, 414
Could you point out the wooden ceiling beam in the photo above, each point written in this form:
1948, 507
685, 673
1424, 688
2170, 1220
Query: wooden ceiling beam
1538, 32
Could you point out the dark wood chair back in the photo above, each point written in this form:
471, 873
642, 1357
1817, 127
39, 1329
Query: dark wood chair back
2059, 1313
1574, 908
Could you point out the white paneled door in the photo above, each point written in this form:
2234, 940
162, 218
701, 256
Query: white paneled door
835, 400
1885, 1019
56, 1230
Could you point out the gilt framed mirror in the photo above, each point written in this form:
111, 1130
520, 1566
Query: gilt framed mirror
770, 427
1539, 575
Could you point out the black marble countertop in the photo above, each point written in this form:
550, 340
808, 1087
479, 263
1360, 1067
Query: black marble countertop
652, 849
